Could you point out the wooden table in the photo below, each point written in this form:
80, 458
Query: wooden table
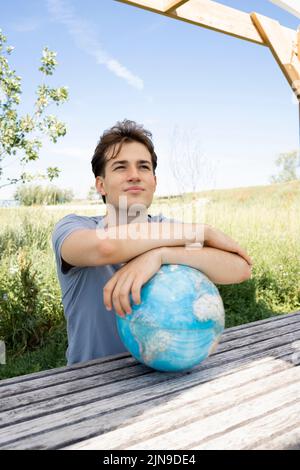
245, 396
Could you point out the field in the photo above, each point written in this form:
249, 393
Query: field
263, 219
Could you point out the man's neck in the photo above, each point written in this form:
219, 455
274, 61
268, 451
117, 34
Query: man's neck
118, 217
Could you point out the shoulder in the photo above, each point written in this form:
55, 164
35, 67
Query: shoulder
72, 222
78, 220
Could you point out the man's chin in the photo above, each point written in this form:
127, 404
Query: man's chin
131, 201
137, 205
136, 198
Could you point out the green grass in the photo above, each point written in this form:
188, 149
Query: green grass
264, 220
51, 355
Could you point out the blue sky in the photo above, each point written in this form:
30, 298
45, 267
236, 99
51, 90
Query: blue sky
226, 96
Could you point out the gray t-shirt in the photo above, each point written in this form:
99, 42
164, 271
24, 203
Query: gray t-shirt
92, 330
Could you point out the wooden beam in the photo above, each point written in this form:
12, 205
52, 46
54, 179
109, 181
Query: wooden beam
284, 47
292, 6
283, 42
206, 13
172, 5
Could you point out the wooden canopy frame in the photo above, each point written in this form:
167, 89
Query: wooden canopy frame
283, 42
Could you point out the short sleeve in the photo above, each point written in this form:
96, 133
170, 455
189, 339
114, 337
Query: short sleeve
62, 230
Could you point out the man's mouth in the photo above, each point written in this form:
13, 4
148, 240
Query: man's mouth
134, 189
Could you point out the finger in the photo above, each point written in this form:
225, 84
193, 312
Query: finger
116, 300
125, 292
136, 291
108, 290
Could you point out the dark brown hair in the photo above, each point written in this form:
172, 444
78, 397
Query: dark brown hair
125, 131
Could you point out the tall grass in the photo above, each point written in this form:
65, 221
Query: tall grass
35, 194
264, 220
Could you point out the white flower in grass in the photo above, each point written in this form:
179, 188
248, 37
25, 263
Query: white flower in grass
13, 270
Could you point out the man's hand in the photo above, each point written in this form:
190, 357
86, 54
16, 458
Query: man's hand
131, 277
217, 239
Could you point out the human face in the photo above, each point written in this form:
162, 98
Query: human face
131, 168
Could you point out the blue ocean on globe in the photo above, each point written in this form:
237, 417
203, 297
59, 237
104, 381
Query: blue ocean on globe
179, 321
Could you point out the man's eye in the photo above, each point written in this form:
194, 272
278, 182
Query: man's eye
143, 166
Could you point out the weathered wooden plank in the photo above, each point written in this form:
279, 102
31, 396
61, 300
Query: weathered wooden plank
31, 410
83, 389
62, 374
68, 375
271, 322
285, 351
78, 419
252, 433
137, 373
274, 318
86, 378
223, 421
259, 336
208, 14
195, 404
67, 369
102, 402
283, 439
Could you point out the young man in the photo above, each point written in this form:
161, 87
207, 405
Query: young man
102, 260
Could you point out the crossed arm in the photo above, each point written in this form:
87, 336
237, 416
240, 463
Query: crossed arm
220, 258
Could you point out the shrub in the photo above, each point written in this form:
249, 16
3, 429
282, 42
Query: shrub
30, 195
29, 305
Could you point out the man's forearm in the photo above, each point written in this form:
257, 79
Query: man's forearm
221, 267
125, 242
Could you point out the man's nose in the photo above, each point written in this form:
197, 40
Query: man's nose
133, 173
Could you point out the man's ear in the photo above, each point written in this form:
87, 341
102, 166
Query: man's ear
99, 185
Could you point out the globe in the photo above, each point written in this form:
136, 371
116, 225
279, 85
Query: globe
178, 323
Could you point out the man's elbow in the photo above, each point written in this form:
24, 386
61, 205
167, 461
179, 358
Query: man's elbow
242, 272
106, 252
111, 252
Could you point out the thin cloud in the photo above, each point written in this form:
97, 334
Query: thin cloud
78, 153
154, 26
26, 25
86, 39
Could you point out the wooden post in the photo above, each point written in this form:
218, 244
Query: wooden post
284, 47
298, 42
